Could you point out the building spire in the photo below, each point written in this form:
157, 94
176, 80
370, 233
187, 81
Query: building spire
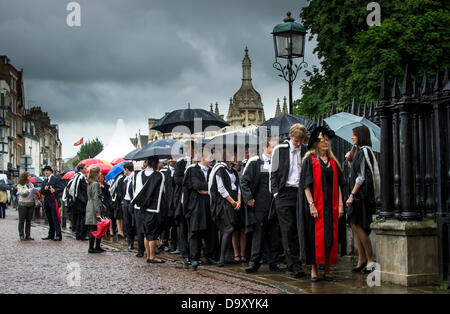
211, 108
217, 109
246, 69
278, 109
285, 110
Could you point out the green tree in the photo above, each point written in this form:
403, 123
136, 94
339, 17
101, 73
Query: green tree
88, 150
354, 55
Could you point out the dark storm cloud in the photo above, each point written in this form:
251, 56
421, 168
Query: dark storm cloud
141, 58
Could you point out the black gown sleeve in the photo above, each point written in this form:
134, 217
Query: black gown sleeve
197, 183
246, 180
307, 178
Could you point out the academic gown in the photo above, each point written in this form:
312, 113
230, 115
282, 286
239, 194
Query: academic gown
364, 204
107, 201
196, 205
319, 234
255, 185
169, 191
117, 195
222, 213
178, 177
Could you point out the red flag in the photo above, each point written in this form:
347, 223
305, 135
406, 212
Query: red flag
79, 142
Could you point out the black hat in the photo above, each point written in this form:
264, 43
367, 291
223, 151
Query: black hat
315, 135
47, 168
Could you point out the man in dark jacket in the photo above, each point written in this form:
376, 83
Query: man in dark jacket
51, 189
256, 194
78, 190
124, 194
170, 230
284, 182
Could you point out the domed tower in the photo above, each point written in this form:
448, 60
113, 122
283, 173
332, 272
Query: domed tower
246, 107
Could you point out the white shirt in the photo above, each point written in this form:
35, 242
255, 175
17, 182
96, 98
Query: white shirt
127, 181
172, 170
266, 160
205, 170
295, 166
148, 171
221, 188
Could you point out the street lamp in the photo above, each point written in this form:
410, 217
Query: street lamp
289, 43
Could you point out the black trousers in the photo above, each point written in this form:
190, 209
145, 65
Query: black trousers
182, 229
79, 219
128, 226
265, 241
25, 216
210, 236
53, 222
139, 224
286, 209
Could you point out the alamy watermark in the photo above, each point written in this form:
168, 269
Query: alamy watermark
374, 17
374, 278
73, 277
74, 17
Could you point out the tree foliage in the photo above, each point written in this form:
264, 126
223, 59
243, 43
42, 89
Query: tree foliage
88, 150
354, 55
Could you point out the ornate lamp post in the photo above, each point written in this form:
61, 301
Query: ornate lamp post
289, 43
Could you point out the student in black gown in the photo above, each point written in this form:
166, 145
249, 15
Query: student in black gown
225, 193
256, 194
197, 210
320, 204
107, 204
149, 199
364, 187
138, 214
178, 176
169, 234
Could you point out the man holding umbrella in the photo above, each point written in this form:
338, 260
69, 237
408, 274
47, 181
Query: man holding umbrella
51, 189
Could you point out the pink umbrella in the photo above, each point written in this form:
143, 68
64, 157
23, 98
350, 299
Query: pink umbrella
90, 161
117, 161
102, 228
103, 168
69, 175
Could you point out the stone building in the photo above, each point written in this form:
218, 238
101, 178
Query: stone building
246, 107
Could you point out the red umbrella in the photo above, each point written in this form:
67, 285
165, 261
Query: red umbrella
117, 161
69, 175
35, 180
103, 168
102, 228
91, 161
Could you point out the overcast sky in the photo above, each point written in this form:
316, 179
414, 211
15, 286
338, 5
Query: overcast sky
141, 58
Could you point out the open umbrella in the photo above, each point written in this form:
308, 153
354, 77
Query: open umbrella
115, 171
172, 145
284, 123
90, 161
131, 154
103, 168
342, 124
238, 141
35, 180
69, 175
155, 151
196, 120
117, 161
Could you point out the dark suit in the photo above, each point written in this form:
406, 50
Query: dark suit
182, 228
286, 202
51, 204
79, 209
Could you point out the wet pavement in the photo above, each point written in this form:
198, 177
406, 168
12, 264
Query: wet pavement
41, 267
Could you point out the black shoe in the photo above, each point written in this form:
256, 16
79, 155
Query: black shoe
130, 246
47, 238
29, 239
140, 254
195, 264
360, 268
252, 268
177, 251
22, 238
57, 239
297, 271
370, 268
153, 261
93, 251
328, 278
210, 261
315, 279
277, 267
78, 238
187, 261
100, 249
220, 264
84, 238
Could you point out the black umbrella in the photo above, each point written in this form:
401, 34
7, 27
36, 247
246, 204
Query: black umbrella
131, 154
284, 123
239, 141
155, 151
188, 118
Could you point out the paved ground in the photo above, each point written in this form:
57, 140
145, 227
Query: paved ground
41, 267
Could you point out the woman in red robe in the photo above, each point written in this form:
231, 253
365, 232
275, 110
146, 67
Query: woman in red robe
320, 204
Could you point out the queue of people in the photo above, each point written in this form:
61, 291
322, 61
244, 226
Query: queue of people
279, 207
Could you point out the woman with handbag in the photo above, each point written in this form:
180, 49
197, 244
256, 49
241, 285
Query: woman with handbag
364, 185
93, 208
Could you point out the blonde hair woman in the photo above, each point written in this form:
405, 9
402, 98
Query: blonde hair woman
320, 203
93, 208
